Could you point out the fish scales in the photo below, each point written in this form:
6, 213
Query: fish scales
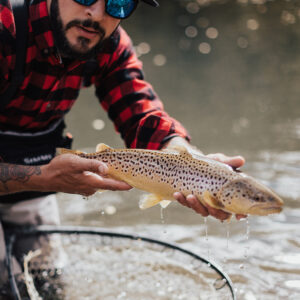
182, 173
162, 173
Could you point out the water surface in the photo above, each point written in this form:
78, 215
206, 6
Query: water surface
230, 72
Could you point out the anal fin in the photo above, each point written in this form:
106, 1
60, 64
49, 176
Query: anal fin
149, 200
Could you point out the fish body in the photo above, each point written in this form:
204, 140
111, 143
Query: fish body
161, 173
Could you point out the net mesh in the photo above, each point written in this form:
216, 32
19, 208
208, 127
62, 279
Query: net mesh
89, 266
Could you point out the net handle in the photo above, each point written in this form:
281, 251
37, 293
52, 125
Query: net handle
49, 229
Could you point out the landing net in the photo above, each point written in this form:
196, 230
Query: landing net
89, 263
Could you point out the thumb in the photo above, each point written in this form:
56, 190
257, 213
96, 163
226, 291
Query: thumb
233, 161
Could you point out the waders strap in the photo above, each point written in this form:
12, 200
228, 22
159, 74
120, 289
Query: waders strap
20, 11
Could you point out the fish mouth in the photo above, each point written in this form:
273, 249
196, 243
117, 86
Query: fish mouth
260, 210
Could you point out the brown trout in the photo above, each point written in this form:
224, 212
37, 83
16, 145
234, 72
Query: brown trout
161, 173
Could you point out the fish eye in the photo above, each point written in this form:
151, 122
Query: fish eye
259, 198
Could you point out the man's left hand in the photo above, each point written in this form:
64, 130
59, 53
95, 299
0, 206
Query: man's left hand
193, 202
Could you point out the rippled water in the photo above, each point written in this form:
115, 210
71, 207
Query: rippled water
229, 71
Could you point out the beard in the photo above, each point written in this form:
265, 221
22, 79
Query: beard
81, 51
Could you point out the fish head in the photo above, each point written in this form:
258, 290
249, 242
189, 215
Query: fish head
245, 195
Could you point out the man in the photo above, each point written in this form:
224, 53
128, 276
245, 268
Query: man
71, 44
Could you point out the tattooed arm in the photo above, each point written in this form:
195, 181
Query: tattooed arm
14, 178
65, 173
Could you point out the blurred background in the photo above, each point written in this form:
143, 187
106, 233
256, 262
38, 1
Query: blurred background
230, 72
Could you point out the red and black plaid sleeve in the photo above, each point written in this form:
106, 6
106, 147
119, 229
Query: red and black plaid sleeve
51, 86
132, 105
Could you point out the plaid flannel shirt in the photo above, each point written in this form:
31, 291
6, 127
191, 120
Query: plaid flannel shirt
50, 87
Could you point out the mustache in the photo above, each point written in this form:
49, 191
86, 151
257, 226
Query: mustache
86, 23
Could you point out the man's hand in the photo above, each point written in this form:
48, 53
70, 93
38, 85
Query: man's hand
191, 200
72, 174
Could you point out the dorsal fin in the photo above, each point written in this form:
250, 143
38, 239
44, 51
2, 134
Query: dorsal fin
60, 151
102, 147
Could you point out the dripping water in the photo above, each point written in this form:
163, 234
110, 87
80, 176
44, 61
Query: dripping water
247, 237
227, 228
246, 248
206, 237
162, 217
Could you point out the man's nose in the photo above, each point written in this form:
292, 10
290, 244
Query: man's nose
96, 11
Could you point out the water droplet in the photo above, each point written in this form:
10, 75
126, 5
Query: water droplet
192, 7
159, 60
191, 31
252, 24
287, 18
110, 210
212, 33
204, 48
162, 215
242, 42
98, 124
227, 234
143, 48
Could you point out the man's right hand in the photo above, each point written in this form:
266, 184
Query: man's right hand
65, 173
72, 174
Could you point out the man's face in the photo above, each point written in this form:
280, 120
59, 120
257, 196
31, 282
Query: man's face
79, 30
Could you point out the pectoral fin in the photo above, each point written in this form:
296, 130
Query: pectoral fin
212, 201
149, 200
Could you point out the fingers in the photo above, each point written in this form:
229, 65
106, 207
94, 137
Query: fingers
233, 161
192, 202
92, 165
99, 182
83, 176
239, 216
197, 206
218, 213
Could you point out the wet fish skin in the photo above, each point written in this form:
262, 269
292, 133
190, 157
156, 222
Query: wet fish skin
161, 173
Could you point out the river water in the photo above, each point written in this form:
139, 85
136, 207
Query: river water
230, 72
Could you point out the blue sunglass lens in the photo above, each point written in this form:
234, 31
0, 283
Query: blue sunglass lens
86, 2
120, 9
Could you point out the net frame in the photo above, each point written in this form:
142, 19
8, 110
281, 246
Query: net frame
13, 234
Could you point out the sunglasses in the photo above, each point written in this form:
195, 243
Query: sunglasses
119, 9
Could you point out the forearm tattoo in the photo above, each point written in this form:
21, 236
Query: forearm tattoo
17, 172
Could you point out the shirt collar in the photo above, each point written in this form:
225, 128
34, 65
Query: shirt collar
41, 26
